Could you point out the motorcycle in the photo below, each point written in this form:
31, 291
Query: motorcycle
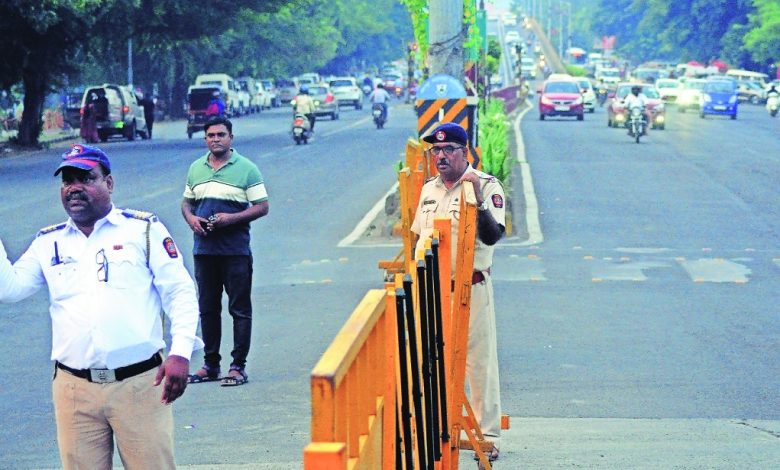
602, 96
301, 129
772, 104
379, 119
636, 123
367, 89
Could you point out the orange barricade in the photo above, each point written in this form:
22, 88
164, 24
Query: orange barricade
353, 392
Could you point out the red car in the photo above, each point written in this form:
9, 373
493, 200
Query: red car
561, 96
617, 114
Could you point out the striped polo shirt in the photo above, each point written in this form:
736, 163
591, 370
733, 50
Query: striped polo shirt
229, 189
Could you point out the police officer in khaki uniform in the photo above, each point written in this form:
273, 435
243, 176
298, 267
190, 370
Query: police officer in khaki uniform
440, 197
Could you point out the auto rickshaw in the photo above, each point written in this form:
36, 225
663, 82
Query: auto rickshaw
198, 98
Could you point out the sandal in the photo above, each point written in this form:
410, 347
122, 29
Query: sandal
204, 374
235, 379
492, 454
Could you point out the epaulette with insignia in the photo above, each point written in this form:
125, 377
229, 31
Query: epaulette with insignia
51, 228
140, 215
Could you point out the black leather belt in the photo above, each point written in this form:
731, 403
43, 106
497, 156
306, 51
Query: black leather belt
103, 376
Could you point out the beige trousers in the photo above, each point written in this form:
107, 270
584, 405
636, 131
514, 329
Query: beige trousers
90, 415
482, 361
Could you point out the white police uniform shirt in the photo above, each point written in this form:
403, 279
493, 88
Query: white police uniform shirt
108, 319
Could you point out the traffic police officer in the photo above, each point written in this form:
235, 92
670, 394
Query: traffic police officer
110, 272
440, 197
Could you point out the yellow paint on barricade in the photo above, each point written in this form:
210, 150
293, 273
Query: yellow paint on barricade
353, 392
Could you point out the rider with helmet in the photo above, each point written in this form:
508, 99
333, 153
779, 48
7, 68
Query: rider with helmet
304, 104
638, 99
380, 96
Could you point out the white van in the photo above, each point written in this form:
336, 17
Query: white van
748, 76
230, 89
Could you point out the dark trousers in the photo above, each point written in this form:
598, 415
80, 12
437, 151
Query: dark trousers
149, 126
312, 119
234, 273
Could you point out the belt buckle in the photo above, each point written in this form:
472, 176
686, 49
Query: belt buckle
102, 376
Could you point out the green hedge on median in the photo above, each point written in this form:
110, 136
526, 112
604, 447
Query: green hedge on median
494, 141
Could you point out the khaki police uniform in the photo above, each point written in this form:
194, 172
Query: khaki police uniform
482, 358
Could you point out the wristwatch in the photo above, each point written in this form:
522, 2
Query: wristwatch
483, 206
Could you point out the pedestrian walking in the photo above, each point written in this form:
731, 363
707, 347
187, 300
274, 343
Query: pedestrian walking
88, 129
440, 197
223, 194
148, 104
109, 272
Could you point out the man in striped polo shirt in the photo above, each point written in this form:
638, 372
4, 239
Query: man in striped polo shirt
224, 193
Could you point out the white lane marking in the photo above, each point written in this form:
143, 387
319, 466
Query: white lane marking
350, 126
361, 227
533, 226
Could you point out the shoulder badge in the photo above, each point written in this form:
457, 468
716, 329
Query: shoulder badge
140, 215
51, 228
170, 247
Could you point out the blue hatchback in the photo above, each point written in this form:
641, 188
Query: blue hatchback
719, 97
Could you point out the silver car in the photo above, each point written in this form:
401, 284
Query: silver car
325, 101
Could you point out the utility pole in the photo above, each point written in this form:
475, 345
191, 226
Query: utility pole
446, 36
130, 63
560, 29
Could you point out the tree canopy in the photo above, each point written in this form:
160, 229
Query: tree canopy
746, 33
50, 43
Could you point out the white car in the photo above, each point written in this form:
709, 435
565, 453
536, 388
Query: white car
668, 88
512, 36
528, 68
270, 88
347, 91
588, 95
688, 97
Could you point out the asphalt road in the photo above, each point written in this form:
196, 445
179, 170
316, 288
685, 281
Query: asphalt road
636, 329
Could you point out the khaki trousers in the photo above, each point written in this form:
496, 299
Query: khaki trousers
90, 415
482, 361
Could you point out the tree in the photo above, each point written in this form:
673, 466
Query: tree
763, 39
44, 40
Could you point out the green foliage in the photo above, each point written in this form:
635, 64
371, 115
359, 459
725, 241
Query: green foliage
418, 9
688, 29
494, 141
763, 39
51, 43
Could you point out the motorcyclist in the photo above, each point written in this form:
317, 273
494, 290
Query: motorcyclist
638, 99
304, 104
602, 91
772, 91
380, 96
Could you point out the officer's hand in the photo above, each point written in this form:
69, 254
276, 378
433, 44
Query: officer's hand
198, 225
175, 370
477, 186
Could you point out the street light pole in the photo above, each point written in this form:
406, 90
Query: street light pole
560, 29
